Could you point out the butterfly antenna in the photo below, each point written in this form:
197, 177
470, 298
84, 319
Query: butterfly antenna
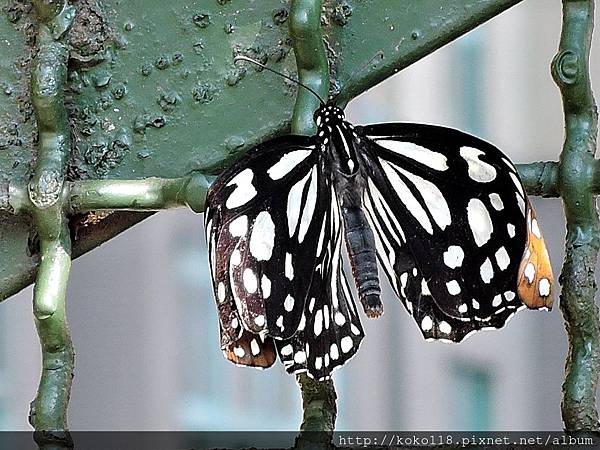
259, 64
378, 55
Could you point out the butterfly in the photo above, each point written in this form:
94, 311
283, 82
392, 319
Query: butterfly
443, 212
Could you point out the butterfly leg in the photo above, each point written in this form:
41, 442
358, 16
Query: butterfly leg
360, 243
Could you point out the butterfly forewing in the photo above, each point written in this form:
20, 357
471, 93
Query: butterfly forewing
269, 208
450, 208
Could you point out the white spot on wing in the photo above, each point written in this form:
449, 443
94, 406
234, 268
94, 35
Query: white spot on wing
309, 207
529, 272
422, 155
511, 230
434, 200
289, 268
288, 303
287, 350
287, 163
339, 318
480, 221
424, 287
535, 229
426, 323
405, 195
502, 258
453, 287
300, 357
318, 325
346, 344
265, 285
236, 258
486, 271
453, 257
318, 363
496, 301
244, 191
496, 202
302, 323
445, 327
254, 347
262, 239
250, 281
221, 291
294, 203
544, 287
479, 170
239, 226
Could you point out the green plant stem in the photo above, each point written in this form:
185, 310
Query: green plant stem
576, 170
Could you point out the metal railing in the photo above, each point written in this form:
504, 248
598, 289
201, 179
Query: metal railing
51, 200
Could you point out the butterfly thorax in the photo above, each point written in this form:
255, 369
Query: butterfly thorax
338, 138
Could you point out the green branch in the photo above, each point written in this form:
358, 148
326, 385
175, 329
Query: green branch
576, 170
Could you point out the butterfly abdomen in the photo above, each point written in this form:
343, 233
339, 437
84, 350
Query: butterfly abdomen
360, 243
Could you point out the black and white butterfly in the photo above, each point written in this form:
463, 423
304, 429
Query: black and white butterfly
444, 212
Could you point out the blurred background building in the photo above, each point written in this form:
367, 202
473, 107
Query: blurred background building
145, 327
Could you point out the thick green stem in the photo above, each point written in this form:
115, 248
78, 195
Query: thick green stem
576, 170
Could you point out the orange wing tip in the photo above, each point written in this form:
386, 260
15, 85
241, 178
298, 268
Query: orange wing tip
252, 351
535, 284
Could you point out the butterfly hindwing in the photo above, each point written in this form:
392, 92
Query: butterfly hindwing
251, 350
536, 281
453, 206
330, 332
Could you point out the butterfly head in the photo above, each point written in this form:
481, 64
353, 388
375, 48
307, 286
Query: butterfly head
328, 115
